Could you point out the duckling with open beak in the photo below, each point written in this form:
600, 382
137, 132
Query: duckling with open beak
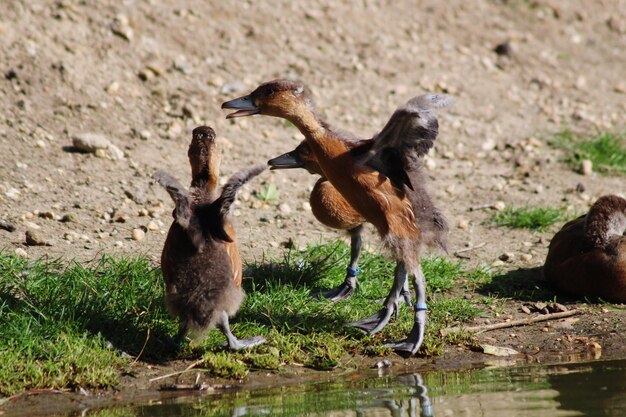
200, 261
587, 257
375, 184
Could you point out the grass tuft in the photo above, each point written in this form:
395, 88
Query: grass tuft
532, 218
607, 151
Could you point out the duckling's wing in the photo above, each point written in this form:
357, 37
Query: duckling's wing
408, 135
179, 194
229, 195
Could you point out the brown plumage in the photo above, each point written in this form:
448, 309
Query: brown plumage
331, 209
374, 183
200, 261
587, 257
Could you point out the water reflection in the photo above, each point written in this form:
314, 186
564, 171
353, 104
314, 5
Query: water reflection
596, 389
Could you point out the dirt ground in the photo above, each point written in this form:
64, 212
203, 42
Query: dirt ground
144, 73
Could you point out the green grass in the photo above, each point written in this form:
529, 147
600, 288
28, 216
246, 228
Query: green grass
606, 151
532, 218
67, 325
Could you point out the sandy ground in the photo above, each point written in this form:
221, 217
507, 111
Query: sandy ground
144, 73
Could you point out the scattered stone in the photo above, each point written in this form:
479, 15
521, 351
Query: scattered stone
507, 257
121, 27
306, 206
463, 224
5, 225
115, 153
118, 243
68, 218
284, 208
69, 236
539, 305
580, 187
112, 88
181, 65
47, 215
526, 257
21, 253
503, 49
145, 135
90, 142
430, 163
498, 350
10, 75
138, 234
35, 239
153, 226
525, 309
586, 167
499, 205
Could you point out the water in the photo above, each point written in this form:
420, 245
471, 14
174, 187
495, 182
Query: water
589, 389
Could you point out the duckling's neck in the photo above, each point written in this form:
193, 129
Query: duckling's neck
308, 123
206, 178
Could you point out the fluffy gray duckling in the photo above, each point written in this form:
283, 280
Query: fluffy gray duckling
200, 261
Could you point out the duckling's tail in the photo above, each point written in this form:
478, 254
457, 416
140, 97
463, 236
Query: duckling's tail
606, 219
229, 196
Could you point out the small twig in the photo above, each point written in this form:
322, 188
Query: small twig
471, 248
513, 323
189, 368
143, 347
186, 387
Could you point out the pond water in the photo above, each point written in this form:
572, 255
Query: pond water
589, 389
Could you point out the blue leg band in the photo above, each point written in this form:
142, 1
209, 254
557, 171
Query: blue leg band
420, 307
352, 272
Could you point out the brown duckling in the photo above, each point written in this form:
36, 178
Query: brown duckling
587, 257
331, 209
375, 183
200, 261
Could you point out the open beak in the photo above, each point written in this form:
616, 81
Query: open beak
286, 161
244, 106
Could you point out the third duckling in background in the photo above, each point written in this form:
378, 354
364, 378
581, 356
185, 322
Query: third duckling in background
587, 257
200, 260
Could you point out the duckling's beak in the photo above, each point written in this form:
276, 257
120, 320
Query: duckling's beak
286, 161
244, 106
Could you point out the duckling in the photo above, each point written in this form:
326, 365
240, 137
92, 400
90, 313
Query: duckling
331, 209
587, 257
200, 261
375, 184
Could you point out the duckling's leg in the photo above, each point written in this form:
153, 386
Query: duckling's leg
411, 344
378, 320
347, 287
233, 342
406, 293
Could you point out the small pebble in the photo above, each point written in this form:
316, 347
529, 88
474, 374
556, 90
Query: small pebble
90, 142
119, 243
507, 257
35, 239
526, 257
586, 167
153, 226
499, 205
138, 234
21, 252
284, 208
463, 224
